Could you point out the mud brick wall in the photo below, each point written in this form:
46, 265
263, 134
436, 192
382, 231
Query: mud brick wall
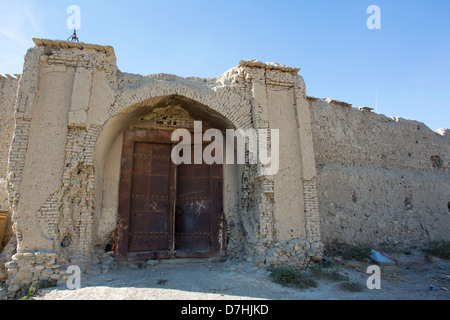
380, 179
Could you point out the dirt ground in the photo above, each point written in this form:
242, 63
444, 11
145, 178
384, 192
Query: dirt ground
410, 279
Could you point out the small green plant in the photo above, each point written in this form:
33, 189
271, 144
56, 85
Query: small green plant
31, 290
292, 278
320, 271
324, 263
327, 274
351, 286
358, 252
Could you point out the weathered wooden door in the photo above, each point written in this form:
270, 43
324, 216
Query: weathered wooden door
167, 210
198, 217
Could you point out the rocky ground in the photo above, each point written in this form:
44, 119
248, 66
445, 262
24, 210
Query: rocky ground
415, 276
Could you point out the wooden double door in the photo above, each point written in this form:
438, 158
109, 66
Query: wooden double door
167, 210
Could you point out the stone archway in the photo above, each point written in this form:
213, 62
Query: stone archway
167, 210
149, 119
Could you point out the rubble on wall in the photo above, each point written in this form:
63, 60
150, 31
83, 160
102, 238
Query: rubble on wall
297, 252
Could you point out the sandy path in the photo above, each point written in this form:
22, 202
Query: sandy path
236, 281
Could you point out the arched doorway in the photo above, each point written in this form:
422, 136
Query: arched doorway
167, 210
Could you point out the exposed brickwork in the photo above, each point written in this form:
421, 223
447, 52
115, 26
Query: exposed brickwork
311, 210
16, 161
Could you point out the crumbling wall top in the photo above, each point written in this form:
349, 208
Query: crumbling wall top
268, 66
330, 101
78, 45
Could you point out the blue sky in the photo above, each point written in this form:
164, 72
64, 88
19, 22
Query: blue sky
405, 66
